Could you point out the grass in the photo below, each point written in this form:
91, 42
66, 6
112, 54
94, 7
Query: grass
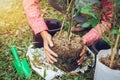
14, 30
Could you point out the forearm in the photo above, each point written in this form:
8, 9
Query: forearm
96, 33
32, 11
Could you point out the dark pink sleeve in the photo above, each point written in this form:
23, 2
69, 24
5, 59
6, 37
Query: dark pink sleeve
32, 12
95, 33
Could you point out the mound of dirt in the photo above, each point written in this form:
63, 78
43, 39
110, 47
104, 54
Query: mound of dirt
68, 51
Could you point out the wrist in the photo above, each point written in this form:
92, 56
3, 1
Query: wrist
84, 41
43, 33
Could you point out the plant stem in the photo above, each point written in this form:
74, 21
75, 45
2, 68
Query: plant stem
114, 49
71, 22
70, 5
114, 12
114, 52
62, 26
65, 16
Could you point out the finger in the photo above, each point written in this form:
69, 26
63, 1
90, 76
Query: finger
82, 54
76, 29
53, 59
47, 58
80, 60
83, 51
51, 52
46, 48
50, 43
78, 25
50, 58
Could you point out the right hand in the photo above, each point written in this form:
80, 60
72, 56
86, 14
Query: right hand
50, 55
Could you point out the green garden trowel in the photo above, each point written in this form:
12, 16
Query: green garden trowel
21, 66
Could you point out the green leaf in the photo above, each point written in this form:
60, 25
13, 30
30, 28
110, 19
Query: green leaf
44, 73
76, 13
86, 24
88, 10
118, 2
93, 22
115, 31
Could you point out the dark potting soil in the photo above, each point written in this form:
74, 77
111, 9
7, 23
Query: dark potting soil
68, 51
116, 63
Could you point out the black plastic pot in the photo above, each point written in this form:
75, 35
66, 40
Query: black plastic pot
96, 47
99, 45
53, 26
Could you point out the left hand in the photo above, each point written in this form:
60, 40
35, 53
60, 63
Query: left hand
82, 55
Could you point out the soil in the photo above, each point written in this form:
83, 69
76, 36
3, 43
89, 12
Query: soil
68, 51
116, 63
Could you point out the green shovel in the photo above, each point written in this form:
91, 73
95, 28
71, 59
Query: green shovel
21, 66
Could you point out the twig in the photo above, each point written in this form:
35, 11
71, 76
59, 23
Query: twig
62, 26
71, 22
114, 52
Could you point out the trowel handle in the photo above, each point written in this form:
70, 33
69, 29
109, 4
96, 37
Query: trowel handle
15, 54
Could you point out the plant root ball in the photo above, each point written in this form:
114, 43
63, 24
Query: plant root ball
68, 51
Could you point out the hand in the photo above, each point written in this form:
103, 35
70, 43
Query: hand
77, 28
82, 55
50, 55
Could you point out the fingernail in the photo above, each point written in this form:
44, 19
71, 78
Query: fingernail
56, 55
79, 63
55, 60
51, 45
